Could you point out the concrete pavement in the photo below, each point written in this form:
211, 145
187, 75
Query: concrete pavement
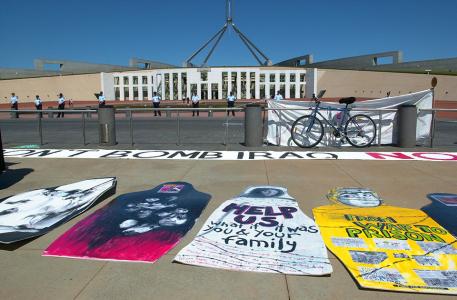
25, 274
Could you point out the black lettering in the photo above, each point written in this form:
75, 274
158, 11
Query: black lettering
254, 154
286, 154
183, 154
144, 154
117, 154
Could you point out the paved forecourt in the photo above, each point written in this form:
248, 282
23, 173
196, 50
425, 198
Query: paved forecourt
25, 274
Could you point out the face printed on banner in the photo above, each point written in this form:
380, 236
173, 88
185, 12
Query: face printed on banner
40, 209
264, 193
139, 226
152, 213
358, 197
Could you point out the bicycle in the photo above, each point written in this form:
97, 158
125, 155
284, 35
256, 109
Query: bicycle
359, 130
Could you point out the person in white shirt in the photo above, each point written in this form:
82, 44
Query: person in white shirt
61, 103
101, 100
14, 104
195, 104
38, 105
156, 103
278, 96
231, 103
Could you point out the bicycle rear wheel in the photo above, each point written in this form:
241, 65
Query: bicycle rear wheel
307, 131
360, 131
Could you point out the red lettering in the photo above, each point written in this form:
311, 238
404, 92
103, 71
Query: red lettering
383, 155
435, 156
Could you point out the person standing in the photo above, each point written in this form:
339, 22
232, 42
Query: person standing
278, 97
231, 103
14, 104
61, 103
156, 103
38, 105
101, 100
195, 104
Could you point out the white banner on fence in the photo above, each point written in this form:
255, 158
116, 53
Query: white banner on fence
280, 122
263, 230
226, 155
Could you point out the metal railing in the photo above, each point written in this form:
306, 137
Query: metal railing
39, 113
85, 113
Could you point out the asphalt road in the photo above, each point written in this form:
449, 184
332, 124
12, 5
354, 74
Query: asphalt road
159, 133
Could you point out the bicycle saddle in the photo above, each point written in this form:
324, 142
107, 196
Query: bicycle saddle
347, 101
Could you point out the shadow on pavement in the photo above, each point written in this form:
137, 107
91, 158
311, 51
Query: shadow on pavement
12, 176
443, 210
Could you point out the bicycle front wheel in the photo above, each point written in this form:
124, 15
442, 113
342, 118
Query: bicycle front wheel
307, 131
360, 131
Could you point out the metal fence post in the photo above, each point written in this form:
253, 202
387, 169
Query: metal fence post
226, 127
178, 128
432, 133
130, 113
40, 130
83, 117
379, 128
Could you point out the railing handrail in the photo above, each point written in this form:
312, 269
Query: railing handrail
215, 109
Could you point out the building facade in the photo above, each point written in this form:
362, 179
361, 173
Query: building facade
208, 83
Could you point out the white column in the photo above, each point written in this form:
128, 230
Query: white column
238, 85
229, 81
179, 86
257, 85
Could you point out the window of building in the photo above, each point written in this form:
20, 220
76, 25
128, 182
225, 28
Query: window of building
252, 86
234, 81
193, 89
272, 77
272, 90
116, 80
243, 85
117, 93
224, 85
282, 89
167, 86
282, 77
302, 77
144, 79
262, 78
292, 91
135, 93
145, 93
175, 86
184, 85
214, 91
302, 91
126, 93
292, 78
262, 91
204, 91
135, 79
204, 75
126, 80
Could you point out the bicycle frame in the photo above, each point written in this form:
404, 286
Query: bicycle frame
316, 112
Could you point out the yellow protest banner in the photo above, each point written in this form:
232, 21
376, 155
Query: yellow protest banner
391, 248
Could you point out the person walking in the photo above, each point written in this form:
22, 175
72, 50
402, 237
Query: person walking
195, 104
14, 104
278, 96
38, 105
231, 103
61, 103
156, 103
101, 100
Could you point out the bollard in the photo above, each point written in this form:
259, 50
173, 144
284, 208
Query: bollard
107, 125
210, 112
253, 125
50, 113
407, 122
2, 159
168, 112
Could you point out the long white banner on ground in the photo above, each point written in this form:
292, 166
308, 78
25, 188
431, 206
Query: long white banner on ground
226, 155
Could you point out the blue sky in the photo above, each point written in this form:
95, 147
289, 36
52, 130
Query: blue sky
112, 31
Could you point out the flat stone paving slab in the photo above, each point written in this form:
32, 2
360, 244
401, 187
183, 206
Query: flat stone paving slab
25, 274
